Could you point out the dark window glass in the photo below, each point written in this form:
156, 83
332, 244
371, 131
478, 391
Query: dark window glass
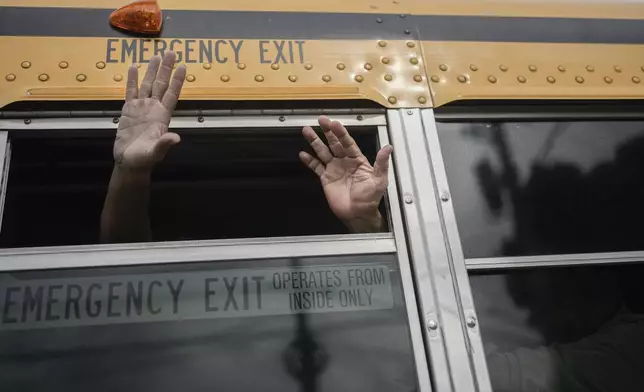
309, 324
563, 329
531, 188
215, 184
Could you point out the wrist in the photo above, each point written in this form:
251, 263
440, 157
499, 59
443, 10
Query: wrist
130, 174
371, 222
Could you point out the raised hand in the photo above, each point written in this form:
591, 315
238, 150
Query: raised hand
353, 188
142, 139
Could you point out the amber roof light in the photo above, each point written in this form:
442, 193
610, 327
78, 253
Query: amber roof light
140, 17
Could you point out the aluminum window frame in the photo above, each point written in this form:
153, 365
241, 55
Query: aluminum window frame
113, 255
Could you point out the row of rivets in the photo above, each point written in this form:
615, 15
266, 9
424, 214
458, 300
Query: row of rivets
521, 79
532, 68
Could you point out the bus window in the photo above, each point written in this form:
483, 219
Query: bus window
298, 324
534, 188
562, 329
216, 184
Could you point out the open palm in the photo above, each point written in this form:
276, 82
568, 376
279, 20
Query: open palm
142, 138
351, 185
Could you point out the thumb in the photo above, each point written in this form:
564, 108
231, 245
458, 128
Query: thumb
163, 145
381, 167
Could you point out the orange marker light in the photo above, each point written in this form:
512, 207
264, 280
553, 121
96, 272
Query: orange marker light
142, 17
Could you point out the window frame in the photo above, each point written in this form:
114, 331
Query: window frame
88, 256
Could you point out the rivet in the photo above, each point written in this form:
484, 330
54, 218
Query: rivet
473, 67
326, 78
207, 66
292, 78
100, 65
579, 79
403, 16
282, 118
259, 78
368, 67
409, 199
443, 67
43, 77
503, 68
462, 78
25, 64
413, 60
385, 60
359, 78
471, 322
10, 77
200, 119
608, 79
617, 68
378, 20
422, 100
407, 32
360, 117
551, 79
81, 77
533, 68
432, 325
389, 78
561, 68
521, 79
191, 78
341, 66
241, 66
590, 68
635, 79
225, 78
411, 44
418, 78
382, 44
491, 79
27, 121
118, 78
275, 66
116, 120
445, 196
308, 67
435, 79
642, 68
63, 64
392, 100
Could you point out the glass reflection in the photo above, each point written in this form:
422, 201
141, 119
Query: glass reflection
546, 187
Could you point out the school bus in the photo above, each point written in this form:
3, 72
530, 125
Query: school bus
512, 259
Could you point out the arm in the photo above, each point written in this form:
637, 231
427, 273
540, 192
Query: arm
353, 188
142, 140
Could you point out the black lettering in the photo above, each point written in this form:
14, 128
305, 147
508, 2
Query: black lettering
7, 305
338, 279
128, 50
279, 45
287, 279
175, 295
210, 293
297, 300
51, 300
151, 309
277, 281
353, 298
230, 299
236, 49
245, 292
258, 280
205, 50
368, 277
142, 51
111, 49
31, 302
290, 51
220, 60
72, 299
179, 54
296, 282
343, 298
190, 49
306, 297
263, 50
313, 282
134, 298
379, 275
329, 298
300, 45
160, 47
305, 283
88, 301
111, 297
369, 293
